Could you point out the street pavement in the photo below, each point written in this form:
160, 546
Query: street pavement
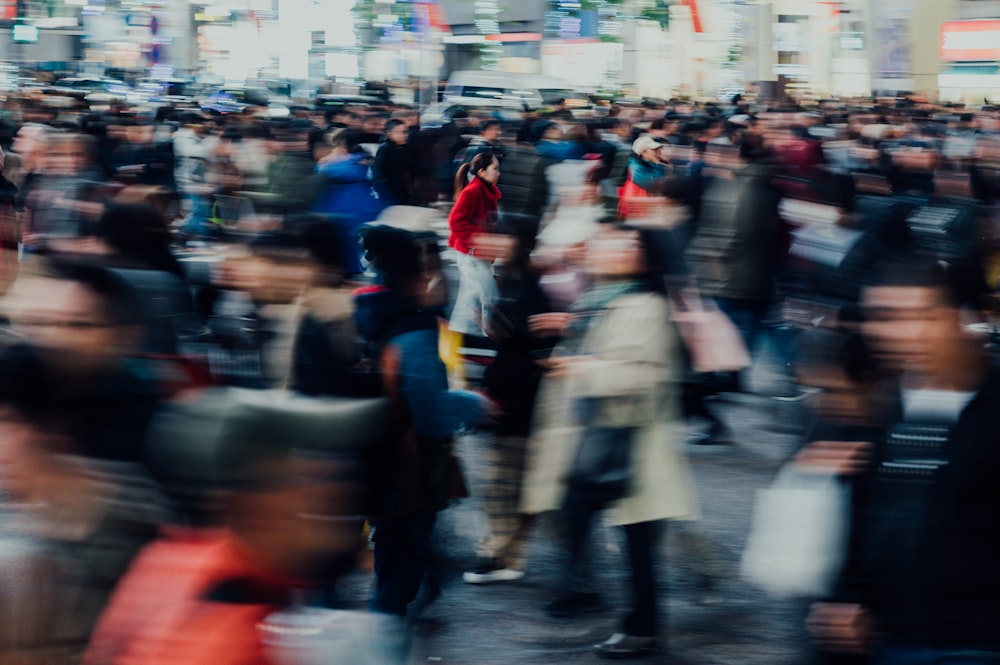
712, 616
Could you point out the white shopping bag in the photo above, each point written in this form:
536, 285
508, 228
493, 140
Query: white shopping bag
798, 536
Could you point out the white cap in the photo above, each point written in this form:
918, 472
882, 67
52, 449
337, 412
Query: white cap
644, 143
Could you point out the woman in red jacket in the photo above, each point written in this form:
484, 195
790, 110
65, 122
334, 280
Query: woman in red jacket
471, 224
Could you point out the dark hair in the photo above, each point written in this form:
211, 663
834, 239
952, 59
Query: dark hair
120, 303
489, 124
391, 125
656, 255
960, 280
27, 384
394, 254
138, 231
481, 161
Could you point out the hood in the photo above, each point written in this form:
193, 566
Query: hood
378, 309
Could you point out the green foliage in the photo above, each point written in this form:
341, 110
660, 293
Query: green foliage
659, 12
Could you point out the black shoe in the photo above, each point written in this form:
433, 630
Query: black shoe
621, 645
717, 434
574, 604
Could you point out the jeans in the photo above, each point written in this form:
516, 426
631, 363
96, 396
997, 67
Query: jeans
578, 511
926, 656
748, 317
402, 554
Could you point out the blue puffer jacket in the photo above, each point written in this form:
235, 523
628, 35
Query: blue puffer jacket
355, 196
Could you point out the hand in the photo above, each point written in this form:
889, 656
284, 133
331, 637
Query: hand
492, 408
552, 324
562, 366
841, 627
845, 458
493, 247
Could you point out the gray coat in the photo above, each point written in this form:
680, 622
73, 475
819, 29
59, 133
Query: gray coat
735, 251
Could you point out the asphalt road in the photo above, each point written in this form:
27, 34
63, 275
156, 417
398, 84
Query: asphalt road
713, 617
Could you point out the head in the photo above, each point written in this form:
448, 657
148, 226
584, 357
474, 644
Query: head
32, 428
83, 318
647, 148
914, 317
619, 253
66, 154
397, 258
484, 166
546, 130
29, 143
396, 131
140, 233
491, 131
276, 271
235, 461
324, 245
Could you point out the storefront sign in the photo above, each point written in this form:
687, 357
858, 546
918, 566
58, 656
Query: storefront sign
970, 40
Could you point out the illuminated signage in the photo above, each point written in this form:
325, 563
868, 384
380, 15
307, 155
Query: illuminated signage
970, 40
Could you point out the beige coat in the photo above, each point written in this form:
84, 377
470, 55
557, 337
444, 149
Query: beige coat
629, 360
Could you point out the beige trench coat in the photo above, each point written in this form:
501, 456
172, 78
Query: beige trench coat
630, 361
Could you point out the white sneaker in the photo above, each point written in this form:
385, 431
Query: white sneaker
490, 576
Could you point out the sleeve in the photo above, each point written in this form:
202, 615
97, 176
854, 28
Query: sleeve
461, 224
436, 411
631, 351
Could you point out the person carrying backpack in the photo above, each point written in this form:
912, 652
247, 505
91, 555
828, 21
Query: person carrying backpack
415, 471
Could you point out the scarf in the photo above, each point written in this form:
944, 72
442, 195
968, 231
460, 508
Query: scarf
589, 307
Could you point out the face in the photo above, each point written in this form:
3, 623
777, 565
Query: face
651, 155
63, 158
265, 280
399, 135
908, 327
553, 133
615, 253
493, 133
28, 143
68, 323
491, 173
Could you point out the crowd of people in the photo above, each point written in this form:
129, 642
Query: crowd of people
222, 376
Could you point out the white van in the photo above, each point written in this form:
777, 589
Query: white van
529, 91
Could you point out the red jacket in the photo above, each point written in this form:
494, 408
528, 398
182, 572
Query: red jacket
162, 612
475, 212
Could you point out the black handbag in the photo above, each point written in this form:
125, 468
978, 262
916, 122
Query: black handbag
602, 466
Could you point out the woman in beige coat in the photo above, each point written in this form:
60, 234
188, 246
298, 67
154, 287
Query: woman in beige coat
619, 358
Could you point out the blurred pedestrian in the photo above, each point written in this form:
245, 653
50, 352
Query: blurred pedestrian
615, 370
351, 193
416, 472
472, 225
394, 162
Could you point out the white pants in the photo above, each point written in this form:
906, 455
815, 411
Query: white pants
477, 293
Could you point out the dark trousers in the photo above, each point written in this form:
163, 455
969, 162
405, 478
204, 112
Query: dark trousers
402, 554
748, 317
578, 513
924, 656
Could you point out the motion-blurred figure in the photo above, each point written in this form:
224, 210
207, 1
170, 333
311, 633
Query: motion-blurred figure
930, 583
415, 475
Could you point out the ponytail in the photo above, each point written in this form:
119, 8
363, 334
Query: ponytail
462, 178
481, 161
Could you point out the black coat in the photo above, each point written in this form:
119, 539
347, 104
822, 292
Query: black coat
395, 166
